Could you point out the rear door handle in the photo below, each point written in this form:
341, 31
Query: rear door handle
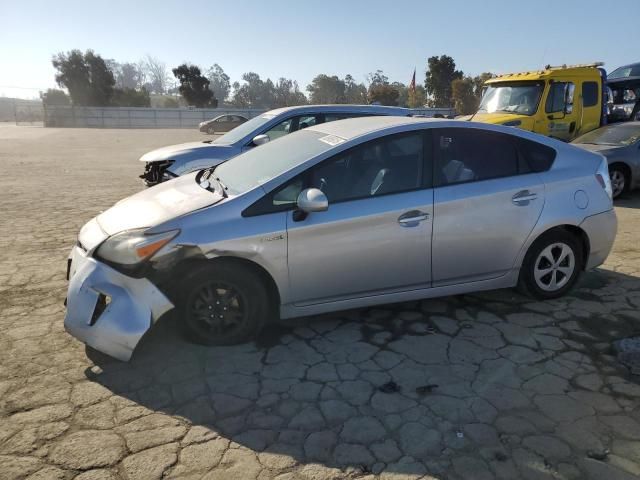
523, 197
412, 218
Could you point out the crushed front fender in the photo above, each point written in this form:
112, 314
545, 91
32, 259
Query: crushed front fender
108, 310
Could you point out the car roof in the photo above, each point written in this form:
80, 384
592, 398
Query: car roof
357, 127
342, 108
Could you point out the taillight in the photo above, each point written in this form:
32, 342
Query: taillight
602, 176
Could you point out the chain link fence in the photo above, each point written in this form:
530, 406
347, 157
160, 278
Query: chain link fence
125, 117
22, 112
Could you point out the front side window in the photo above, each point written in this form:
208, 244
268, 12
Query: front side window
381, 167
511, 97
249, 127
281, 129
305, 121
467, 155
560, 98
392, 165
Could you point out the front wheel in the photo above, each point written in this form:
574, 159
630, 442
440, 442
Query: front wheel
224, 305
210, 130
619, 181
552, 265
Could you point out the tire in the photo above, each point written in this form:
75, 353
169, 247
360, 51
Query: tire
552, 265
210, 130
620, 180
233, 294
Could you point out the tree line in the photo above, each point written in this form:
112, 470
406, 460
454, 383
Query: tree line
91, 80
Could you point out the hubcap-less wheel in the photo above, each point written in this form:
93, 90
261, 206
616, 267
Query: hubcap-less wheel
217, 309
618, 182
554, 267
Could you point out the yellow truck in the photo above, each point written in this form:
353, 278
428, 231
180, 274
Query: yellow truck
561, 102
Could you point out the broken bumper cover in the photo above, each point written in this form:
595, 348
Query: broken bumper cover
108, 310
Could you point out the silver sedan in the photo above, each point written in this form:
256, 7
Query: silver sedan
341, 215
620, 143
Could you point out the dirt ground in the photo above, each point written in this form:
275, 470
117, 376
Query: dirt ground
481, 386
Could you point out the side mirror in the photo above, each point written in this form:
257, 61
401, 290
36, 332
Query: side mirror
260, 140
312, 200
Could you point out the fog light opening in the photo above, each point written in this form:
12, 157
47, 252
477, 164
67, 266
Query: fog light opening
101, 305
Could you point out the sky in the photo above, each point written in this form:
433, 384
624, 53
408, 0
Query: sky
302, 38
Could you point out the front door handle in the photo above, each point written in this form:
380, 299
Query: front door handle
523, 198
412, 218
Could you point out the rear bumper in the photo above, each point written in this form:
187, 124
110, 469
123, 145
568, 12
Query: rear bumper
108, 310
601, 230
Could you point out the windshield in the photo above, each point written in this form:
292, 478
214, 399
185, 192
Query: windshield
259, 165
627, 71
619, 135
516, 97
243, 130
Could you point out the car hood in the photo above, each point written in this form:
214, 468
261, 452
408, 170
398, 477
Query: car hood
191, 149
501, 118
156, 205
601, 149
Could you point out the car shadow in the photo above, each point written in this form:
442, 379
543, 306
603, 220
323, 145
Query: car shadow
401, 388
628, 200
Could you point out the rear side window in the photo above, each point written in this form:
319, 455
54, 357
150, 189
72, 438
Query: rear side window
589, 94
538, 157
468, 155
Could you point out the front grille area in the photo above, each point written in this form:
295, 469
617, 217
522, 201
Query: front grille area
155, 172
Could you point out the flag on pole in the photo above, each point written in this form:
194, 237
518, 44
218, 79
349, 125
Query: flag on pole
412, 85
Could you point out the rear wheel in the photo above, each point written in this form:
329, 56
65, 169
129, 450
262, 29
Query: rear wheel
224, 305
619, 180
552, 265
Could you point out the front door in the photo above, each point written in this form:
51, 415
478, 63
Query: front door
563, 114
376, 235
486, 203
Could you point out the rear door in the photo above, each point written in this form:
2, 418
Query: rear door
486, 202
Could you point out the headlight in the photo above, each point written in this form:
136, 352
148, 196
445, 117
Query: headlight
133, 246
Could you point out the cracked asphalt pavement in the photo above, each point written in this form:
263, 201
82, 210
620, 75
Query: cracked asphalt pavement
484, 386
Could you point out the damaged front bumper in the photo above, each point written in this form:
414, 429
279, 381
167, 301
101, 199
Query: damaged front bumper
108, 310
157, 172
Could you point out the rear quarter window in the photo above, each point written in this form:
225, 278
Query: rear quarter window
539, 157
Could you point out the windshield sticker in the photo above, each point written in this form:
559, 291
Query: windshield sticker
332, 140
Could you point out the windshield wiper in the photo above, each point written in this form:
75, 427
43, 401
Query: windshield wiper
206, 181
223, 186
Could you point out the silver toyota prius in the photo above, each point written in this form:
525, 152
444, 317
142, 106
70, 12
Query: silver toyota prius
341, 215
